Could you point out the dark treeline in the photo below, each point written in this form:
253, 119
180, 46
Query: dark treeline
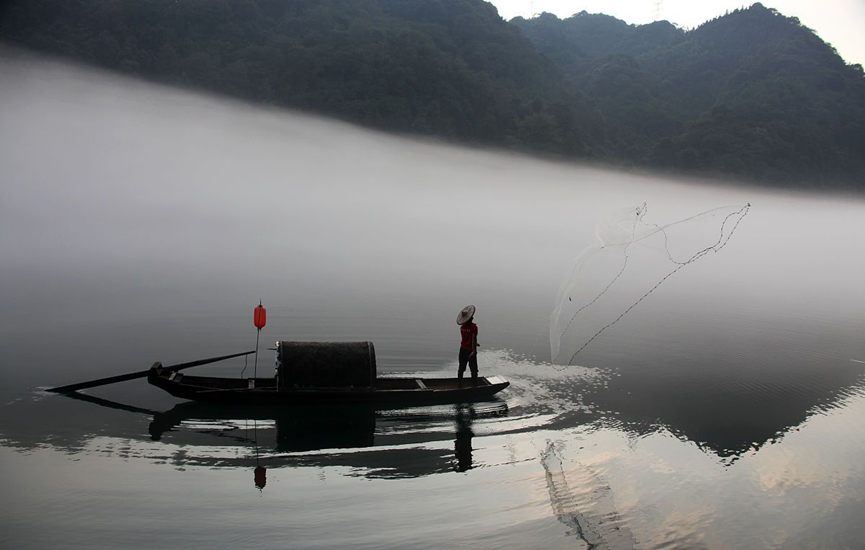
752, 94
450, 68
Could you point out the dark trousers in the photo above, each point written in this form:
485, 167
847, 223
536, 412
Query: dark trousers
472, 363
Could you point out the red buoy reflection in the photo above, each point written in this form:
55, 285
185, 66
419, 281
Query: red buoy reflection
260, 477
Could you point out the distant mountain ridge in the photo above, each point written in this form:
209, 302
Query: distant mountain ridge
584, 36
752, 94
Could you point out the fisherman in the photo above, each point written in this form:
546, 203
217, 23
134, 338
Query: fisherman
468, 344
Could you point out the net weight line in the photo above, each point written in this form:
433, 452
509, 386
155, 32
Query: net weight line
640, 212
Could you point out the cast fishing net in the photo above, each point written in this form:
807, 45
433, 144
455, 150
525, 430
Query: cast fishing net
630, 258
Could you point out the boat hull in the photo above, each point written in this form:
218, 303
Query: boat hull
264, 391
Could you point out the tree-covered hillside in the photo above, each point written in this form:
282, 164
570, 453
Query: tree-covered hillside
573, 42
752, 94
449, 68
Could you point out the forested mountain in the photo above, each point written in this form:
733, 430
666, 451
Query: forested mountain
450, 68
752, 94
573, 42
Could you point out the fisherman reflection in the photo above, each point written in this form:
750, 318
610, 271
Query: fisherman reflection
465, 415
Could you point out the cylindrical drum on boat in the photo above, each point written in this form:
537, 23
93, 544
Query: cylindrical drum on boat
325, 364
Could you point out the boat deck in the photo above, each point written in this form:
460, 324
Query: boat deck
384, 384
381, 384
266, 390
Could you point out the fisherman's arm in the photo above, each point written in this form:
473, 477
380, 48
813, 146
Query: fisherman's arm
474, 344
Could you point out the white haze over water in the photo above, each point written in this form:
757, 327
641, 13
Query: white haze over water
123, 199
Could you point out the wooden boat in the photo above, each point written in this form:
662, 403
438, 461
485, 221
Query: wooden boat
265, 391
325, 372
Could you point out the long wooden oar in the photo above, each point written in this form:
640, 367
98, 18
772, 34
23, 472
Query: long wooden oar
140, 374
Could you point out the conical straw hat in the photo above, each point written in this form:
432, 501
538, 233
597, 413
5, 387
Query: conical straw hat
467, 313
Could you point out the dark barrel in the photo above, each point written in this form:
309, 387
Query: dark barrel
325, 364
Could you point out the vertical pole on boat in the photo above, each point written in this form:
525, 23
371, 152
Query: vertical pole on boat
259, 318
255, 368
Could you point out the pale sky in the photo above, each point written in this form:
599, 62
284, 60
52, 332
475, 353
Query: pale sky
838, 22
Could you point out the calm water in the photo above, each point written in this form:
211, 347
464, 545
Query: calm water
139, 223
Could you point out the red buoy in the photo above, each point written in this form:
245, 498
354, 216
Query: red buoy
260, 317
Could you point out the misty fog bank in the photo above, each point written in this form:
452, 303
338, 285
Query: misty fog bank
119, 195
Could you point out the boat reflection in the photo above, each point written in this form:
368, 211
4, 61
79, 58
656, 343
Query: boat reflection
308, 428
370, 442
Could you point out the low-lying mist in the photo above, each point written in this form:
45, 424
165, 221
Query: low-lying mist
122, 198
